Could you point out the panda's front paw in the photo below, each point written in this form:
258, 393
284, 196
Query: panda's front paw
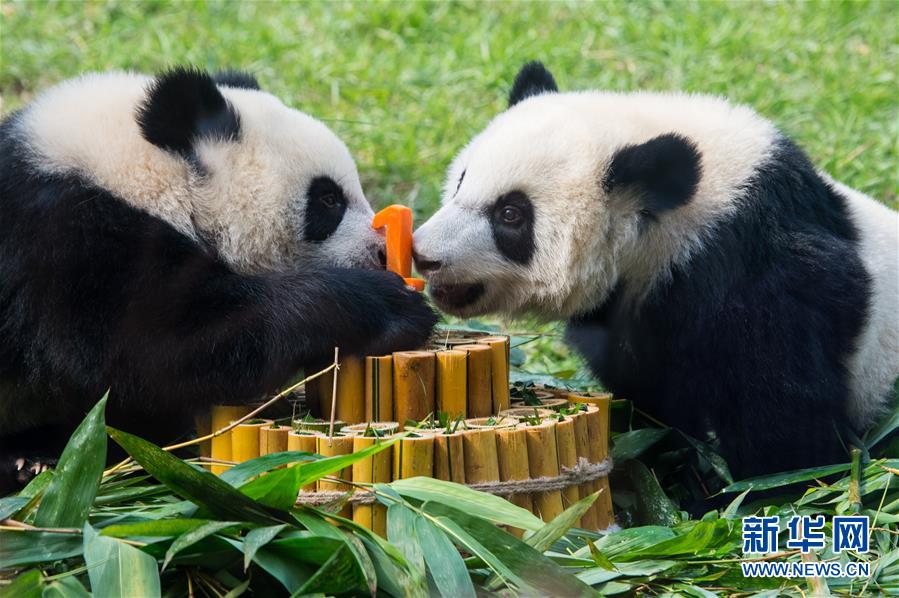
17, 470
401, 316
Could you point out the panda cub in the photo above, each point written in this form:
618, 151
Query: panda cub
706, 270
179, 240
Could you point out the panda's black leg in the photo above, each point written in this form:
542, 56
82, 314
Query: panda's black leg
26, 454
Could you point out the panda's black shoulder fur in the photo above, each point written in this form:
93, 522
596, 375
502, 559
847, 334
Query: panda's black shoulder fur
754, 331
96, 294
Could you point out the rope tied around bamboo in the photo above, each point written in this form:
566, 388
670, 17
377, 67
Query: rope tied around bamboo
582, 473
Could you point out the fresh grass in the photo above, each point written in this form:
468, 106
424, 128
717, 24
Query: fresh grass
407, 84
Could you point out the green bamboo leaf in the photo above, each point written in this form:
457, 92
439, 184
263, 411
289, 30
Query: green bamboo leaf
529, 570
627, 541
444, 562
256, 539
394, 577
653, 506
631, 445
117, 569
11, 505
200, 487
65, 587
402, 535
74, 485
314, 470
734, 507
27, 585
161, 528
339, 574
887, 426
479, 504
703, 537
193, 536
543, 538
719, 465
242, 473
28, 547
277, 489
784, 479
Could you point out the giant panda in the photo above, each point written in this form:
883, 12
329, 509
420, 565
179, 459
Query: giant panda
179, 240
704, 267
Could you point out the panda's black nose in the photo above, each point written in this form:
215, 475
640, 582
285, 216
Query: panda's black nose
425, 265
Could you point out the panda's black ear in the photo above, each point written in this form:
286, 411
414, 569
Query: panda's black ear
235, 78
183, 105
664, 172
533, 79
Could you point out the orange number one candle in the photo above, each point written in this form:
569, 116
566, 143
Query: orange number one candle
398, 221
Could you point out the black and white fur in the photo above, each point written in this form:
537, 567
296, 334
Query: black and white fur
180, 240
706, 269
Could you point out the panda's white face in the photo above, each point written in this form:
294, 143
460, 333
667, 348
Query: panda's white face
269, 187
520, 219
288, 192
566, 196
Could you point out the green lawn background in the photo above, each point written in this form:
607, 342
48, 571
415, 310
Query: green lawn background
406, 84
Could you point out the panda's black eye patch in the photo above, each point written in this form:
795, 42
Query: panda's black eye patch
325, 206
512, 222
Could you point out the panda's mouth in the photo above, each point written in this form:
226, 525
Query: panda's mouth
457, 296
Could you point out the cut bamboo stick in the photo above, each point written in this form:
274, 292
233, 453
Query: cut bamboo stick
273, 439
318, 425
449, 457
481, 459
499, 347
491, 422
303, 441
350, 390
413, 456
371, 470
222, 416
582, 446
598, 431
413, 385
381, 428
555, 403
543, 461
512, 452
379, 388
566, 444
245, 440
452, 383
331, 447
480, 385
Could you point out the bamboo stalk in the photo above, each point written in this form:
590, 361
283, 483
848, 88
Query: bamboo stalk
555, 403
480, 385
481, 459
319, 394
449, 457
379, 388
452, 383
413, 456
350, 389
490, 423
598, 431
273, 439
383, 428
318, 425
566, 446
500, 347
413, 385
303, 441
331, 447
375, 469
245, 440
512, 452
543, 461
582, 447
220, 447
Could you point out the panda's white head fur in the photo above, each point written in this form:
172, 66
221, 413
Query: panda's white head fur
225, 163
566, 196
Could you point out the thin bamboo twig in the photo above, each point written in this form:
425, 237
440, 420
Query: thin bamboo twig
334, 395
